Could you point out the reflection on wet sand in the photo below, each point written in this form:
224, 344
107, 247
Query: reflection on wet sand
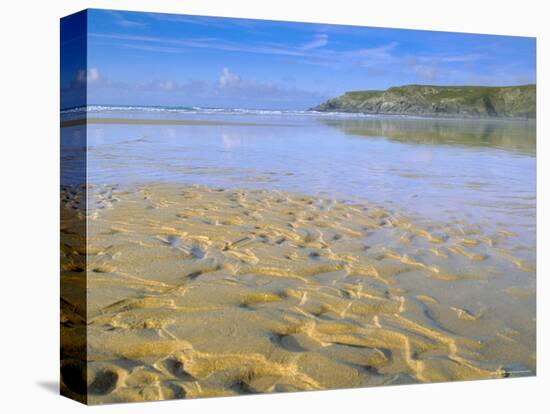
509, 135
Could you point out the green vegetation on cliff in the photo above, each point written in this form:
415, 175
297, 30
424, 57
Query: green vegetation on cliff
440, 101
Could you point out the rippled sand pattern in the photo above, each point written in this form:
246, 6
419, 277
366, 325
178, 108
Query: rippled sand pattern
197, 292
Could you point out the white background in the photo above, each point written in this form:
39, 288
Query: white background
29, 142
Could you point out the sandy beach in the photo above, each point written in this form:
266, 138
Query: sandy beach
253, 206
196, 291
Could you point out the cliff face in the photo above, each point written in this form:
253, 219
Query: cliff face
440, 101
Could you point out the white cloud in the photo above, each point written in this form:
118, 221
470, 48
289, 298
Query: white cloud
319, 40
379, 60
166, 85
203, 43
90, 76
229, 89
93, 75
228, 79
313, 52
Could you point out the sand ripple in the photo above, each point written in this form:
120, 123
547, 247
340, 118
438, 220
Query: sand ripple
196, 292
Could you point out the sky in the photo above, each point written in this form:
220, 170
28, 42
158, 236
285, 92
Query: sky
179, 60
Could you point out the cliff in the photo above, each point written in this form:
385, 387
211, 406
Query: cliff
440, 101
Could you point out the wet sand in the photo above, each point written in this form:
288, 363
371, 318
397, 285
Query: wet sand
196, 291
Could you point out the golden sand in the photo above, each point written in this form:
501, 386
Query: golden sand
196, 292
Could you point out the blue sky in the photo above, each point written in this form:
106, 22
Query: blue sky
163, 59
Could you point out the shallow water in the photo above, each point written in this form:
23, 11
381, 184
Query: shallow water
483, 172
